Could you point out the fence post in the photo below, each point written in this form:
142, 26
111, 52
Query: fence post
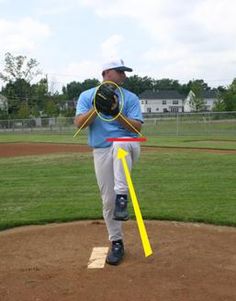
177, 124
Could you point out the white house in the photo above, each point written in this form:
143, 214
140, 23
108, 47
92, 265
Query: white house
209, 98
161, 101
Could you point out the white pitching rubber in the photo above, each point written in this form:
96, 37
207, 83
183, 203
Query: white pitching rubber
97, 259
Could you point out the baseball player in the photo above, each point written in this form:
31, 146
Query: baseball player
111, 111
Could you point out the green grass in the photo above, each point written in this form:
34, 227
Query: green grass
47, 138
186, 186
190, 126
216, 142
213, 142
46, 189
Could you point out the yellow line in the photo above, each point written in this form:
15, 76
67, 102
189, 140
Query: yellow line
105, 119
130, 125
142, 230
84, 124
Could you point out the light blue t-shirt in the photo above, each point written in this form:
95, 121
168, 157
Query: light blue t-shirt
100, 129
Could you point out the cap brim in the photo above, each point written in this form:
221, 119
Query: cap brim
123, 68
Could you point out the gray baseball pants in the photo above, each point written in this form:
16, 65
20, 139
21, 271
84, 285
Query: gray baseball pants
111, 180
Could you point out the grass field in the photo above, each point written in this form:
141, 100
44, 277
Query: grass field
213, 142
170, 185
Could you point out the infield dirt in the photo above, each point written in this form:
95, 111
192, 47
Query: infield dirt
29, 149
189, 262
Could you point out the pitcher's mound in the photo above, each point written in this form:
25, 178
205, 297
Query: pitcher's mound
49, 263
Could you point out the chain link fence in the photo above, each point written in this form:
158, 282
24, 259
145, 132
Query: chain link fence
169, 124
192, 124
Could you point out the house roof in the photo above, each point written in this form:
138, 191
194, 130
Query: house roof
161, 94
209, 94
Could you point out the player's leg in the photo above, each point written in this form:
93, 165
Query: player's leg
120, 183
103, 163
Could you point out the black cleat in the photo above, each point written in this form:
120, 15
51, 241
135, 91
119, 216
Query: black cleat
120, 212
116, 253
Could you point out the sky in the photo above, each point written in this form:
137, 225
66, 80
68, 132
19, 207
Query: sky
71, 39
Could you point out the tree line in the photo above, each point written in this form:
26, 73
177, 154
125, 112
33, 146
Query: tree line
26, 99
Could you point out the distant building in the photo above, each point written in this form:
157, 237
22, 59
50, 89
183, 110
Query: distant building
161, 101
209, 98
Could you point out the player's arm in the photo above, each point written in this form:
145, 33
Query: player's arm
131, 125
84, 120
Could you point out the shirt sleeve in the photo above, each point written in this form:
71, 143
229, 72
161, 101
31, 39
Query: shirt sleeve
134, 109
84, 103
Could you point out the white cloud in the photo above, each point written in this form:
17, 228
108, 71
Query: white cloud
56, 7
74, 71
217, 17
186, 38
25, 34
77, 71
83, 69
164, 54
111, 46
181, 39
164, 17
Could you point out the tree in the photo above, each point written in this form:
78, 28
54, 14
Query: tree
17, 74
166, 84
24, 111
199, 83
18, 89
16, 92
229, 97
18, 67
219, 105
138, 84
186, 88
39, 96
89, 83
51, 108
196, 100
73, 89
3, 115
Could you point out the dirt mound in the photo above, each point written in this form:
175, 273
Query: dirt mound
189, 262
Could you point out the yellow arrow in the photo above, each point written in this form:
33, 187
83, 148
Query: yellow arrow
142, 230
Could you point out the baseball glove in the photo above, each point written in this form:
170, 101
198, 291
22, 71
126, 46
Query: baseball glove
106, 100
